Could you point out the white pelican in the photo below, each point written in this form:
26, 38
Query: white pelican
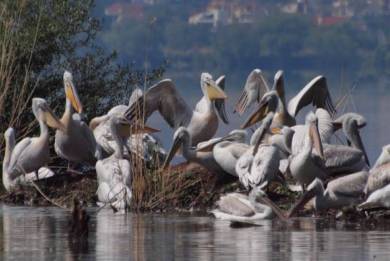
380, 198
202, 123
182, 141
30, 154
345, 191
114, 172
380, 173
304, 166
76, 143
142, 144
9, 184
315, 92
259, 165
238, 207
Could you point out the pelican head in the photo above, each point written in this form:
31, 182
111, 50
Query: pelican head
210, 88
314, 135
43, 113
71, 92
351, 123
9, 133
316, 187
279, 83
384, 157
269, 103
180, 137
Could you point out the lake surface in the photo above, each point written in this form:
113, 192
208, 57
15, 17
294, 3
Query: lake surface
42, 234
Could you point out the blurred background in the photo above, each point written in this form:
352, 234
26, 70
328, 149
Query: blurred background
348, 41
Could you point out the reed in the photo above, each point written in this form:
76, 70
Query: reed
16, 84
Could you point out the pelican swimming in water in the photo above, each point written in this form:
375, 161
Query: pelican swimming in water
143, 145
114, 172
8, 183
30, 154
76, 143
202, 123
345, 191
238, 207
315, 92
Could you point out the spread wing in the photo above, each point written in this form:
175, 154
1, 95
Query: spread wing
315, 92
162, 97
255, 87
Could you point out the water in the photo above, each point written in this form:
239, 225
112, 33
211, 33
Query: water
41, 234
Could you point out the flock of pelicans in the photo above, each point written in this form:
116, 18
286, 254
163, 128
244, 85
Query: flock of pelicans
336, 176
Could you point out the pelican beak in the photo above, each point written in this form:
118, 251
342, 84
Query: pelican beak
209, 145
257, 115
274, 208
72, 96
315, 136
214, 91
220, 103
126, 129
53, 121
175, 147
301, 202
359, 144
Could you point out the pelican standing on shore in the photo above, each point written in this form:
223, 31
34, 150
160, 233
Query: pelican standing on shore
202, 123
30, 154
76, 143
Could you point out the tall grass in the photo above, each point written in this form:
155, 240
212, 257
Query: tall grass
16, 87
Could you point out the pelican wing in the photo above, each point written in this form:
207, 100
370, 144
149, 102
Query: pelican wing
265, 165
235, 205
162, 97
340, 158
316, 93
87, 134
351, 185
17, 155
379, 177
255, 88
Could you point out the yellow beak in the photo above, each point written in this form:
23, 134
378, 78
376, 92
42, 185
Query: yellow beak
214, 91
52, 121
72, 96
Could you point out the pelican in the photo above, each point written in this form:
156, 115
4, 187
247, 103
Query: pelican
259, 165
345, 191
76, 143
304, 167
380, 173
9, 184
30, 154
238, 207
202, 123
114, 172
380, 198
143, 145
351, 123
384, 157
182, 140
315, 92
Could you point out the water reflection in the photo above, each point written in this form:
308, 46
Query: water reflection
42, 234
